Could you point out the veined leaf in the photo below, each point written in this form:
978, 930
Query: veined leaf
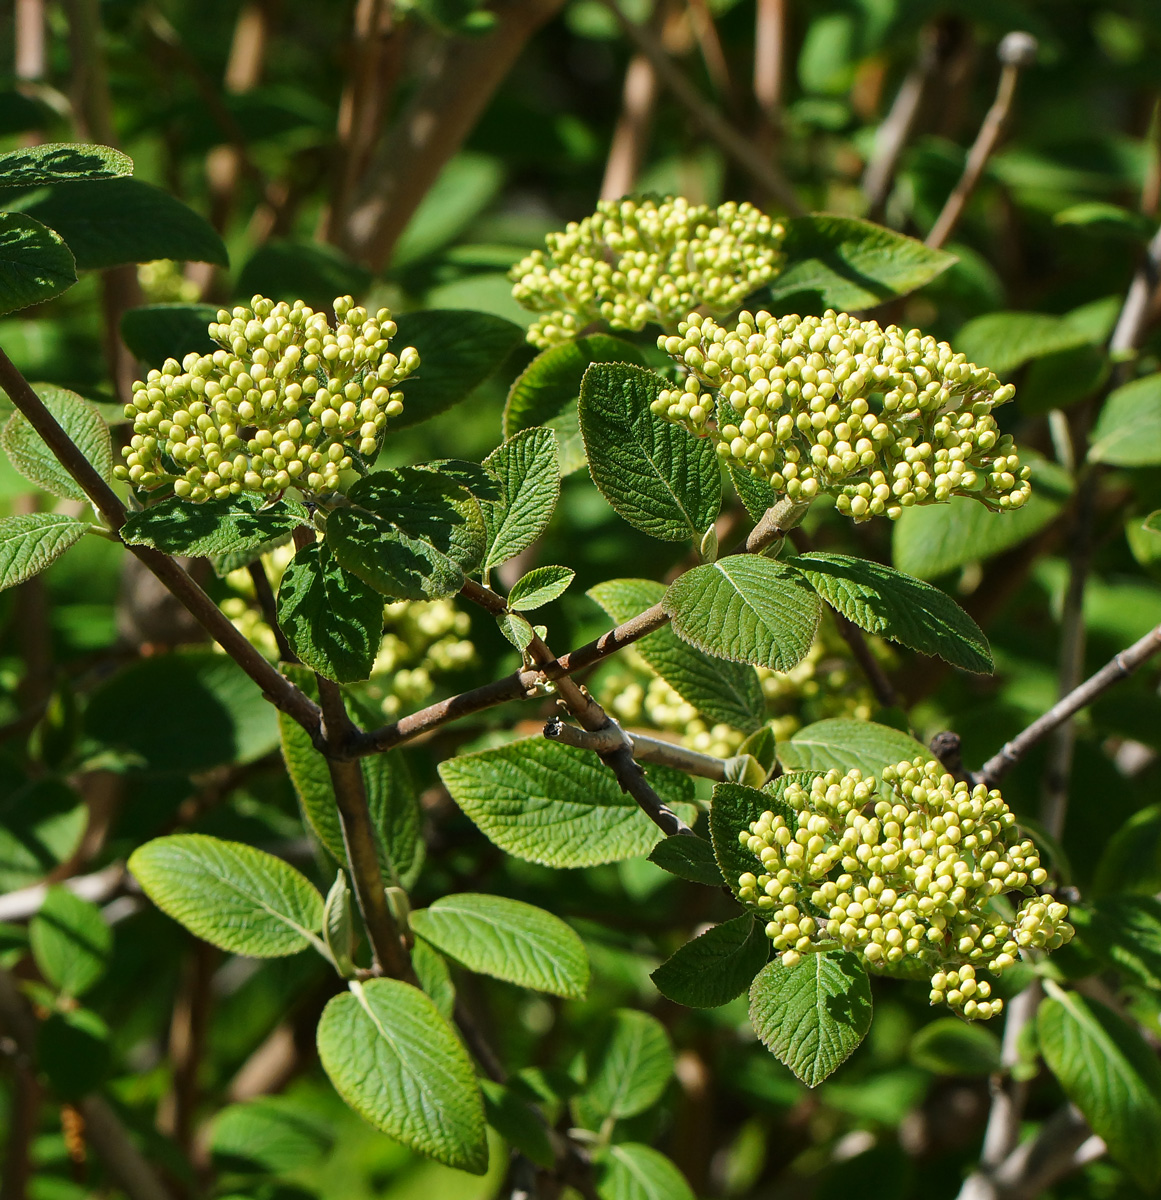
634, 1062
689, 858
1109, 1073
1128, 430
539, 587
845, 743
70, 942
904, 609
1126, 930
235, 897
1005, 341
517, 1122
508, 939
529, 473
42, 823
333, 620
633, 1171
155, 332
717, 966
746, 608
735, 807
399, 1065
517, 629
949, 1046
812, 1016
851, 264
234, 525
726, 693
62, 162
756, 494
558, 805
37, 463
655, 474
35, 263
268, 1135
31, 541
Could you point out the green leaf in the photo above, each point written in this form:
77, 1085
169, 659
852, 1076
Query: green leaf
633, 1065
434, 978
717, 966
70, 942
391, 797
235, 897
270, 1135
539, 587
338, 925
558, 805
516, 629
851, 264
475, 477
726, 693
285, 269
1005, 341
887, 602
183, 712
931, 539
1103, 217
746, 608
1109, 1073
1126, 930
399, 1065
1062, 379
845, 743
735, 807
517, 1122
235, 525
31, 541
116, 221
333, 620
1128, 430
950, 1046
42, 823
755, 494
464, 188
655, 474
37, 463
689, 858
35, 263
62, 162
409, 533
73, 1051
507, 939
528, 468
812, 1016
633, 1171
1131, 862
155, 332
458, 351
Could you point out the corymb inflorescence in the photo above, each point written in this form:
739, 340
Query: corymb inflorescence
636, 262
286, 402
881, 419
915, 869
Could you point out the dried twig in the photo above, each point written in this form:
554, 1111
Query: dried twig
645, 749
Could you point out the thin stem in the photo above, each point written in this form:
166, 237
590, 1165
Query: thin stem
276, 687
714, 125
631, 134
769, 59
645, 749
264, 594
712, 54
1017, 51
1135, 313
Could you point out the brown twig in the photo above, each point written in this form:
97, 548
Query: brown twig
1136, 311
712, 54
29, 40
268, 605
704, 114
1017, 51
769, 66
188, 1027
631, 134
645, 749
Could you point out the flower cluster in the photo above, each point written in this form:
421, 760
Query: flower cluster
286, 401
880, 418
639, 261
914, 876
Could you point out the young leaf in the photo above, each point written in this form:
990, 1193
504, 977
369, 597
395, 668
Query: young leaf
235, 525
1005, 341
517, 1122
516, 629
235, 897
70, 942
634, 1171
904, 609
458, 351
717, 966
155, 332
35, 263
539, 587
269, 1135
850, 264
558, 805
37, 463
655, 474
62, 162
634, 1063
507, 939
1128, 431
844, 743
735, 807
399, 1065
529, 472
949, 1046
410, 533
726, 693
333, 620
116, 221
1109, 1073
746, 608
338, 925
812, 1016
689, 858
31, 541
